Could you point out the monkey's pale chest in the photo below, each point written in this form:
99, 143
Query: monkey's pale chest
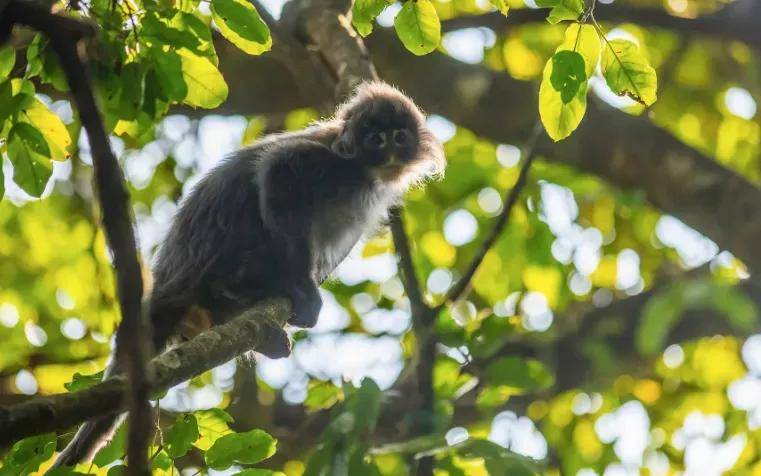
337, 229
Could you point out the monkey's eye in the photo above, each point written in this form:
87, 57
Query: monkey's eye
402, 137
376, 140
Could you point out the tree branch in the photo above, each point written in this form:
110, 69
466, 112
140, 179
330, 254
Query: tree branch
511, 198
248, 331
133, 337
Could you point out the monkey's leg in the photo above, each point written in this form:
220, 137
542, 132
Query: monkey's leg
300, 286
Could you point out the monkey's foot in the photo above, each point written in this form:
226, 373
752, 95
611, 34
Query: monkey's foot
306, 306
276, 344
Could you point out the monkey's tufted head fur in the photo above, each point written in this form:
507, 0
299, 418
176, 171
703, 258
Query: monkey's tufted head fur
384, 129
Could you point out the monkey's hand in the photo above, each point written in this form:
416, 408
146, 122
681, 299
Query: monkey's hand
306, 301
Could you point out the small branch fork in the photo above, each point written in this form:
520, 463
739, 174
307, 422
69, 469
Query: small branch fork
131, 351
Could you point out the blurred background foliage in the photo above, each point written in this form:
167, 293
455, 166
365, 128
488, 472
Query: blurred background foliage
601, 336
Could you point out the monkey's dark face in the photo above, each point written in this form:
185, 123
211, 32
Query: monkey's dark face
383, 135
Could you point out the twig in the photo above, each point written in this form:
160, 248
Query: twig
406, 266
209, 349
134, 333
459, 289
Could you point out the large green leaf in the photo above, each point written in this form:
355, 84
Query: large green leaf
181, 436
363, 13
212, 425
30, 155
242, 448
7, 61
52, 128
26, 455
628, 73
562, 9
584, 40
115, 449
205, 85
169, 73
418, 26
563, 94
239, 22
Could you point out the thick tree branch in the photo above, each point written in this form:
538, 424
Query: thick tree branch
736, 22
134, 335
214, 347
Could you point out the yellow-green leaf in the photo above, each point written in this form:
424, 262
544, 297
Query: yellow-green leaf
239, 22
560, 111
562, 9
7, 60
363, 13
30, 156
206, 86
417, 25
53, 129
584, 40
628, 73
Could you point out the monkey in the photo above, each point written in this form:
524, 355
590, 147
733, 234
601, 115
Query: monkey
276, 218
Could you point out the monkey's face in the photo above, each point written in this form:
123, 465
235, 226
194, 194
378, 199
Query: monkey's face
382, 136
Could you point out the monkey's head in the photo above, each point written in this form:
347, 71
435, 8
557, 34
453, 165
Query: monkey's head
385, 131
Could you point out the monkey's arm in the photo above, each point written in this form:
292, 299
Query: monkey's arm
289, 194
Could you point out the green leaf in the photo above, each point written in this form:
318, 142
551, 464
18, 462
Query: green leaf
568, 74
562, 9
52, 128
15, 95
212, 425
27, 455
170, 74
181, 436
7, 61
30, 156
417, 25
205, 85
115, 449
364, 404
130, 98
81, 382
242, 448
322, 395
520, 375
363, 14
560, 116
239, 22
628, 73
501, 6
583, 39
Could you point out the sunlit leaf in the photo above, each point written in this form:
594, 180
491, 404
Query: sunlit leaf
239, 22
322, 395
562, 9
81, 382
52, 128
26, 455
181, 436
30, 156
628, 73
418, 26
563, 94
583, 39
243, 448
7, 61
363, 13
205, 85
212, 425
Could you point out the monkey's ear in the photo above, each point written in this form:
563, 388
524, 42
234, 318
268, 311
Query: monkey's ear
344, 145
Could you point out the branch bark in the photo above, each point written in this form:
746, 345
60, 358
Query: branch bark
207, 350
133, 337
